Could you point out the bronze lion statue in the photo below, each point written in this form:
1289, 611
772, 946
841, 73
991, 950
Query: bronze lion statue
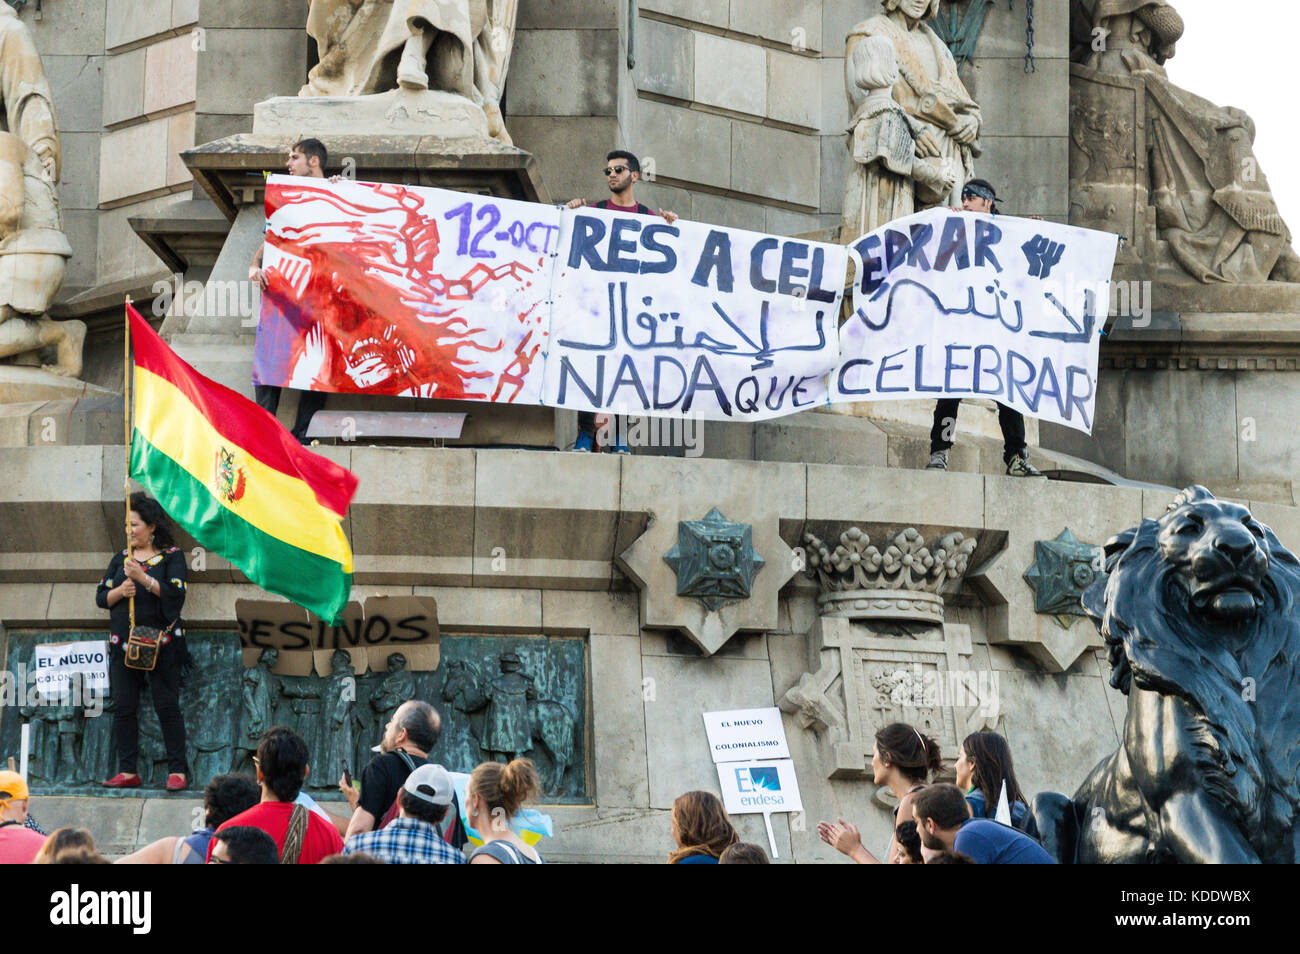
1198, 611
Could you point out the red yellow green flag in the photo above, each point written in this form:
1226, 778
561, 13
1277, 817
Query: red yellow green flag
239, 483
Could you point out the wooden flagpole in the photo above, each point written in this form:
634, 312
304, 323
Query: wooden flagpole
126, 427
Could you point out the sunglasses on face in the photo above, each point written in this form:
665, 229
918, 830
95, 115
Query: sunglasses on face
615, 170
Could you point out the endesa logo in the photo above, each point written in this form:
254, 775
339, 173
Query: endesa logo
759, 786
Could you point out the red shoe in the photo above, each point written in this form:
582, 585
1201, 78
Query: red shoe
123, 780
176, 782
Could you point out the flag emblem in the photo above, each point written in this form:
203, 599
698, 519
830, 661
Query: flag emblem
229, 475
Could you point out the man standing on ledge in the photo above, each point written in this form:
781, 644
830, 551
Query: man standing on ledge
306, 158
978, 196
622, 170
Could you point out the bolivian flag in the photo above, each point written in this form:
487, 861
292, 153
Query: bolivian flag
237, 481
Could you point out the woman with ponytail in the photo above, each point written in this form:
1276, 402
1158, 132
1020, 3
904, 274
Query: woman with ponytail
495, 793
902, 759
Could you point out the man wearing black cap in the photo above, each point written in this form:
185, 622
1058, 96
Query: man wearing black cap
978, 196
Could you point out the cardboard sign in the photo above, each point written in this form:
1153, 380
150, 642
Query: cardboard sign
743, 734
750, 788
386, 624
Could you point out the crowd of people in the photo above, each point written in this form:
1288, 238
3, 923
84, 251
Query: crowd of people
407, 811
984, 818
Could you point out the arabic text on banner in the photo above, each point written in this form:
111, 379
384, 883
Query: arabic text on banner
960, 304
402, 290
690, 319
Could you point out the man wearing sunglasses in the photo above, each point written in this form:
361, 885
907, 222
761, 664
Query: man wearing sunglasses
622, 171
978, 196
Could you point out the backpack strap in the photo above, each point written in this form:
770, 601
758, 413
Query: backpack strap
406, 758
294, 837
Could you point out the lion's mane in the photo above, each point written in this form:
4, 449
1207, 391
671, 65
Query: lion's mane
1242, 682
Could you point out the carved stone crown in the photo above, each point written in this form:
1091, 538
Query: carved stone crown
900, 581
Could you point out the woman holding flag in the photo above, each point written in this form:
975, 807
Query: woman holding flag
152, 572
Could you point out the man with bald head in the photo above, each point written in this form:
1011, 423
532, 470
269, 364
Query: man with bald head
410, 735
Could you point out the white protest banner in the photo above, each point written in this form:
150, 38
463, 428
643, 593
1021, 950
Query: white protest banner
56, 665
376, 288
753, 787
741, 734
690, 319
962, 304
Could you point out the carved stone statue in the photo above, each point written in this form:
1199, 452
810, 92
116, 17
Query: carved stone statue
1198, 611
507, 731
260, 692
1105, 32
44, 720
373, 46
33, 249
397, 687
338, 703
945, 122
1213, 206
887, 176
98, 756
304, 696
507, 717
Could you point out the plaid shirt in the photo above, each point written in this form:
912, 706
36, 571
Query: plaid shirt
406, 841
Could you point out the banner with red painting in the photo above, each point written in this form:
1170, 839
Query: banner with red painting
376, 288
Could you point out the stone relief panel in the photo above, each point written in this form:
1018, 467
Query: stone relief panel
886, 654
499, 696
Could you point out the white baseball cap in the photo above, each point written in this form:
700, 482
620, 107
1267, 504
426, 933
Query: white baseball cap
432, 784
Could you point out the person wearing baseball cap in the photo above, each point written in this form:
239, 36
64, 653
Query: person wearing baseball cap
414, 838
18, 845
978, 195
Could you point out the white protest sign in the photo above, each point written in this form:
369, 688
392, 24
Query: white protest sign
745, 734
690, 320
754, 787
962, 304
55, 665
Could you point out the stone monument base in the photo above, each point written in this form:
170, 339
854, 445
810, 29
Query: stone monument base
399, 112
19, 383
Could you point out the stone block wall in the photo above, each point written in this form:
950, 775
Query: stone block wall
123, 77
737, 107
1026, 115
135, 83
431, 523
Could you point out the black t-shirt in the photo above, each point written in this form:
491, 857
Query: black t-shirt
169, 569
381, 780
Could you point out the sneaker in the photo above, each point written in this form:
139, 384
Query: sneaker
1020, 467
585, 443
621, 448
938, 461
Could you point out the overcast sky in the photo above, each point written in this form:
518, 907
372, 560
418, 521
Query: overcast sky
1245, 54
